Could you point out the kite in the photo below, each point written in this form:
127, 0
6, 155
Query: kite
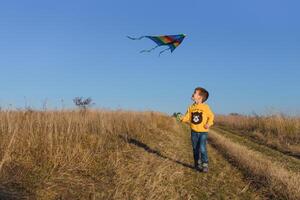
172, 41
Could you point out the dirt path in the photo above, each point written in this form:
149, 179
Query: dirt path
264, 170
251, 138
222, 182
285, 160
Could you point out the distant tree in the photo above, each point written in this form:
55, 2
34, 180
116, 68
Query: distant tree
82, 103
234, 114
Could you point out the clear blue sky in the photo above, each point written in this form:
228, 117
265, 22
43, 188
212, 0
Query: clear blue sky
246, 53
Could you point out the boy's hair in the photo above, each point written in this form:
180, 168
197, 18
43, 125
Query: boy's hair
202, 92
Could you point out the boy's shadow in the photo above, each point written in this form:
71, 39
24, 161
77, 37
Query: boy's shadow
152, 151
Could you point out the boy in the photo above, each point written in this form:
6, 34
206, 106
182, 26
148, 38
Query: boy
200, 118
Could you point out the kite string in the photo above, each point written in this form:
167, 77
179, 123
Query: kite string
138, 38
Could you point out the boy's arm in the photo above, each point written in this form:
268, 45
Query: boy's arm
186, 117
211, 116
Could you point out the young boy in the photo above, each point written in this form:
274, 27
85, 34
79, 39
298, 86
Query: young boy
200, 118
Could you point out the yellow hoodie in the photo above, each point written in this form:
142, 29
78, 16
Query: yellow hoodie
197, 116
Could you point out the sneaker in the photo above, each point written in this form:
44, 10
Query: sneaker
199, 163
196, 166
205, 169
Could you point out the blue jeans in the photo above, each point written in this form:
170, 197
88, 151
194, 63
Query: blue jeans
199, 146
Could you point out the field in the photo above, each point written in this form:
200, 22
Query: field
276, 131
104, 154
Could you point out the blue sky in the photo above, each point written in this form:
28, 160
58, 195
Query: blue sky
245, 53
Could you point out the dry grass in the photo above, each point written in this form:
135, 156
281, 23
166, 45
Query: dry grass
108, 155
85, 155
279, 131
282, 183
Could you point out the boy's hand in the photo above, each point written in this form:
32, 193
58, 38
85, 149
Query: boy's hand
206, 126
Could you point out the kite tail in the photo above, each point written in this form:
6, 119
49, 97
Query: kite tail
149, 50
164, 51
138, 38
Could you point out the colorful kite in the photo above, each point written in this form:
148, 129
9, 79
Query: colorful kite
172, 41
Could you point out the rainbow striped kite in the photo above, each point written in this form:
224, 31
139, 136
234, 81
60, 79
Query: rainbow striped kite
172, 41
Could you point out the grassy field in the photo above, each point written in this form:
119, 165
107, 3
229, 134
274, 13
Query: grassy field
101, 154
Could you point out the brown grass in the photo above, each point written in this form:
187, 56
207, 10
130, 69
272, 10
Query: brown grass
107, 155
279, 131
282, 183
85, 155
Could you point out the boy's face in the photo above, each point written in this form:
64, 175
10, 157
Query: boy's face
197, 97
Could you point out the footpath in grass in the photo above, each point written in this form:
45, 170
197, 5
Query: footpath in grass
263, 141
280, 182
288, 162
222, 182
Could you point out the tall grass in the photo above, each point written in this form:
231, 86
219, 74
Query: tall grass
81, 155
282, 132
